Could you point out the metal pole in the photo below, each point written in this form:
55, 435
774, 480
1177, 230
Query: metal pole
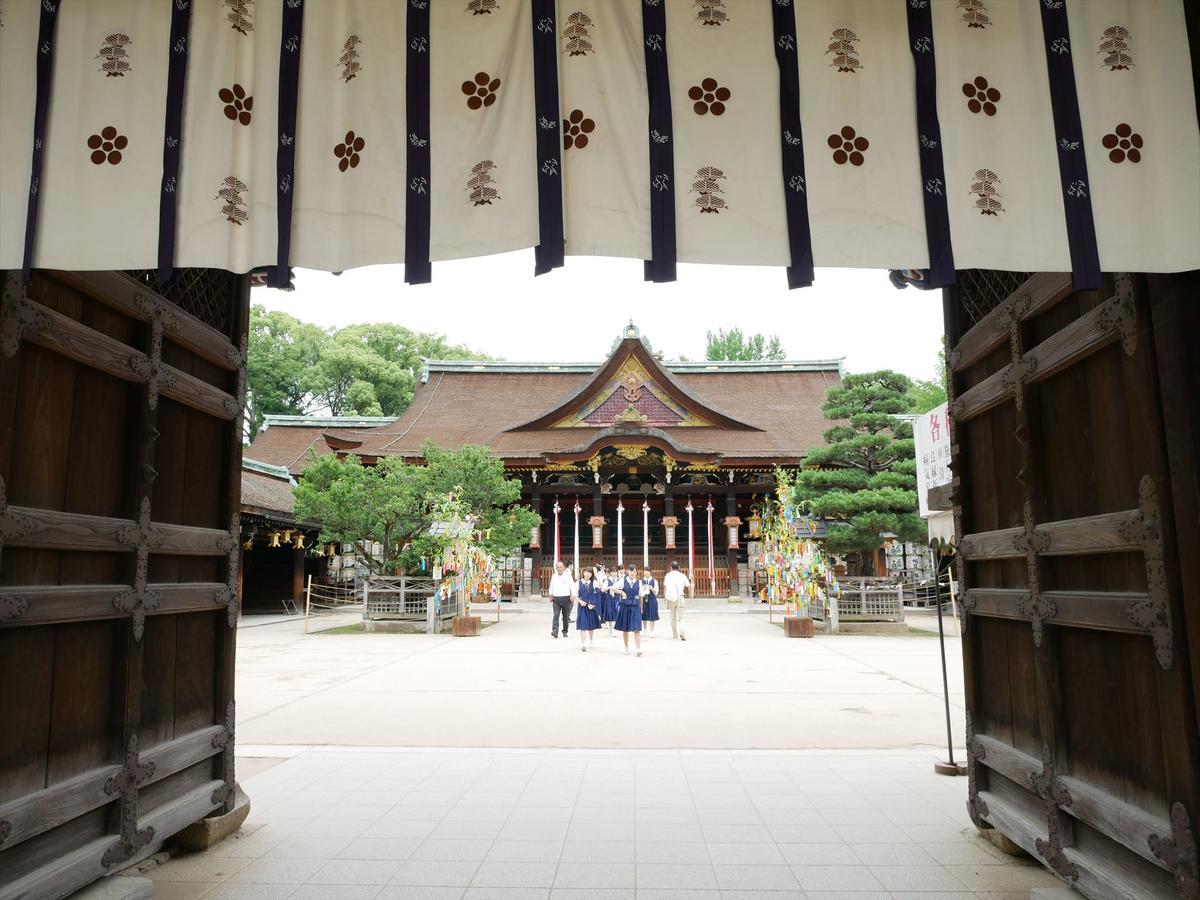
950, 767
307, 602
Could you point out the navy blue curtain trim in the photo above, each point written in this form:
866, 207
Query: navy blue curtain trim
795, 187
929, 148
45, 70
280, 276
549, 252
181, 17
1068, 133
661, 265
417, 268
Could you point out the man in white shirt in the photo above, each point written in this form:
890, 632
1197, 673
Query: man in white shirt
562, 589
676, 587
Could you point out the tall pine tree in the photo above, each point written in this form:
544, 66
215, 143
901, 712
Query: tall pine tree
864, 479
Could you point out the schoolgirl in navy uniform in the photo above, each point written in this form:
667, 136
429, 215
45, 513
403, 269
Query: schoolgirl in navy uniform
650, 602
629, 609
587, 616
608, 598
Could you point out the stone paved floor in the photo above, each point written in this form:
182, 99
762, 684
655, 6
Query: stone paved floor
411, 824
737, 683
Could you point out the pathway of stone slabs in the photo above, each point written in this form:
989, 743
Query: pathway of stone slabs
465, 824
736, 683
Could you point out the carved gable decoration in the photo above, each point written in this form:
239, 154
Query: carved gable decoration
631, 396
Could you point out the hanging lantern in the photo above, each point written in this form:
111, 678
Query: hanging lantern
248, 544
331, 550
535, 536
755, 521
670, 523
287, 535
274, 539
732, 523
298, 543
597, 523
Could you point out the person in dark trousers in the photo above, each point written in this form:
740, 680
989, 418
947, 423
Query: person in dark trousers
562, 589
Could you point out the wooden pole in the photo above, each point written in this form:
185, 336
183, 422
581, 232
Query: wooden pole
307, 602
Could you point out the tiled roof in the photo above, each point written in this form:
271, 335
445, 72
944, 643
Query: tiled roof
466, 405
286, 440
266, 491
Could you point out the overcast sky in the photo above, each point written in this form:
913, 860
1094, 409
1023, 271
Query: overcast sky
495, 305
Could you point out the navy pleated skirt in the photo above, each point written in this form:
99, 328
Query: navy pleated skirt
587, 619
650, 608
629, 617
608, 608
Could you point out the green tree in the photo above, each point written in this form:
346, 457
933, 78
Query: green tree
383, 357
864, 479
926, 395
733, 344
281, 355
393, 503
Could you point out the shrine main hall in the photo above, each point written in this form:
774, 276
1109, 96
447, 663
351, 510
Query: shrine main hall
633, 459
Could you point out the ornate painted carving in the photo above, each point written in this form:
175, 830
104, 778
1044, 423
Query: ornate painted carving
1154, 613
224, 742
1178, 852
1054, 796
977, 808
125, 783
1120, 312
1034, 606
18, 314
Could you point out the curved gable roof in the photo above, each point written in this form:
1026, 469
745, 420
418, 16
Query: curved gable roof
666, 390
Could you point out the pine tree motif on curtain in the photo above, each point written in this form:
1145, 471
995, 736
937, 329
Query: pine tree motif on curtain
975, 13
1114, 44
845, 54
482, 7
240, 16
987, 195
707, 187
116, 62
578, 38
481, 185
349, 58
711, 12
231, 192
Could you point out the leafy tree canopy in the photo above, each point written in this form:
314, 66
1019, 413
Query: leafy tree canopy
864, 478
733, 344
393, 503
294, 368
926, 395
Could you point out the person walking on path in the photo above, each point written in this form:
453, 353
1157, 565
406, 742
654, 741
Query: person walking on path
562, 589
676, 587
649, 602
629, 608
587, 618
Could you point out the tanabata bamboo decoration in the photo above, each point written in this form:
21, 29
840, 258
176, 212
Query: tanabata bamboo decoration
796, 568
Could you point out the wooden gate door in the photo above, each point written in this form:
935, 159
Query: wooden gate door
1074, 428
120, 460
